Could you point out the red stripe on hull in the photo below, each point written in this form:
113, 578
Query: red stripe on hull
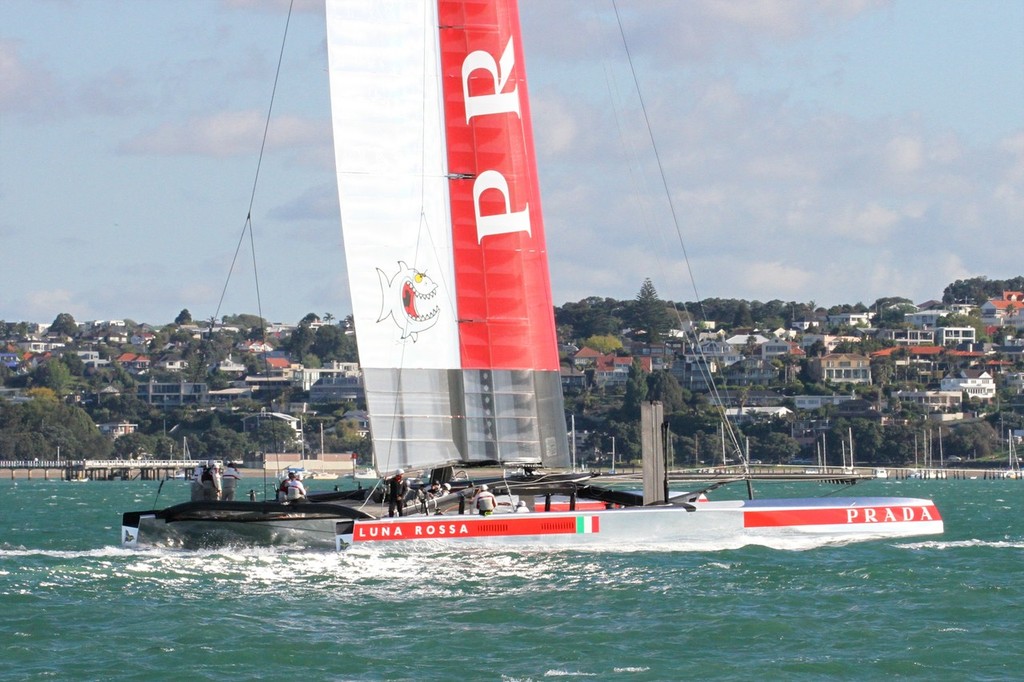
503, 287
510, 525
774, 518
580, 506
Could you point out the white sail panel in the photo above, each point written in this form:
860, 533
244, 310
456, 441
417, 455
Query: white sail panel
392, 184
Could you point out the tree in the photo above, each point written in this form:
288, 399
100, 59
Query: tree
332, 343
65, 325
301, 341
603, 343
56, 376
743, 318
664, 387
774, 446
132, 445
649, 315
224, 443
590, 317
274, 435
40, 427
636, 391
184, 317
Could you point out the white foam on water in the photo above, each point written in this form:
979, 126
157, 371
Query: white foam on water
958, 544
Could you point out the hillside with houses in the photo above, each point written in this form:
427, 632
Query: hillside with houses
893, 383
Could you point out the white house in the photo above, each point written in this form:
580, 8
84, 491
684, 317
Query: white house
849, 320
975, 383
924, 319
954, 336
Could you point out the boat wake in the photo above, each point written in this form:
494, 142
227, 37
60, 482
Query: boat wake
962, 544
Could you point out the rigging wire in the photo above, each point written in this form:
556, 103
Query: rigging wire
703, 365
247, 226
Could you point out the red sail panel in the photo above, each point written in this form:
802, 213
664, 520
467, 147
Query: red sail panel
503, 288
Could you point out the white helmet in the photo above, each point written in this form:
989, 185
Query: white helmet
483, 486
400, 471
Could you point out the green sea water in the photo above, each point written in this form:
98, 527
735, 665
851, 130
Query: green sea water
76, 606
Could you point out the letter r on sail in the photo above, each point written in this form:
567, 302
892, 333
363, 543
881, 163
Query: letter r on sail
497, 102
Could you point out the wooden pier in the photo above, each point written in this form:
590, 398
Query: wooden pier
98, 469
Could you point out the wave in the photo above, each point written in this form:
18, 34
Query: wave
961, 544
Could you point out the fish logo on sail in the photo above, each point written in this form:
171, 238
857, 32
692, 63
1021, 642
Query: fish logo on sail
408, 299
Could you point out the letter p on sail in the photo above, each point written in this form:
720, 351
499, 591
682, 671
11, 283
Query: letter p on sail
499, 223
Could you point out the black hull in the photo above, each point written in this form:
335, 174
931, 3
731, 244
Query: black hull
193, 525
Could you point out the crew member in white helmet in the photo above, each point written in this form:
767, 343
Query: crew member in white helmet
398, 488
211, 482
485, 501
294, 490
197, 483
228, 482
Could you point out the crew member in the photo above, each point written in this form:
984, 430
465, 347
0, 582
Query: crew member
398, 487
197, 483
294, 490
211, 482
485, 501
228, 482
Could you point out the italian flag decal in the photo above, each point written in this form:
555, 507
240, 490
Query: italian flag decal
587, 524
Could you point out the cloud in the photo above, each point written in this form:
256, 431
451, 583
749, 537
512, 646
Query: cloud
42, 303
316, 203
25, 87
225, 134
670, 32
276, 5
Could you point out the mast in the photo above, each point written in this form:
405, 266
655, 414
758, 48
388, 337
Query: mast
444, 235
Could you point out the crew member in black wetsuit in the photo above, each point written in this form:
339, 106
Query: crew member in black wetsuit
397, 489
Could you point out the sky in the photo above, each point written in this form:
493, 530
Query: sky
834, 151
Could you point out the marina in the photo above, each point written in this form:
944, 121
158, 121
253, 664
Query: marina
146, 470
158, 470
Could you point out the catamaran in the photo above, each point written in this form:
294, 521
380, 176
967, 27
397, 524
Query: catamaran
447, 265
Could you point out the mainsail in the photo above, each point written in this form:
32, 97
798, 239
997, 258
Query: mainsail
444, 237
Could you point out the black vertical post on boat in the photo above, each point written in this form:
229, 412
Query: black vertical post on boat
159, 488
572, 501
667, 446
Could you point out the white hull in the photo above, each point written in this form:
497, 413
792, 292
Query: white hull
704, 525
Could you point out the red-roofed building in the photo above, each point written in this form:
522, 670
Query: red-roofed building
613, 370
133, 363
1005, 311
586, 357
